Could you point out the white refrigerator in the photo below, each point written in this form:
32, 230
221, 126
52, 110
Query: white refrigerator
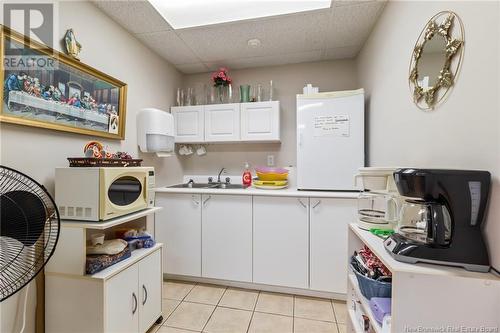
330, 140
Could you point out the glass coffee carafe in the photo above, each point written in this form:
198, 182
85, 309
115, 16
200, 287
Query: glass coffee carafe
425, 222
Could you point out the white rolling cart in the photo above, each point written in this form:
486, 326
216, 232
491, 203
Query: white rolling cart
125, 297
426, 298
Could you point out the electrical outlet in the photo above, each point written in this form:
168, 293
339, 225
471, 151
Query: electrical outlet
270, 160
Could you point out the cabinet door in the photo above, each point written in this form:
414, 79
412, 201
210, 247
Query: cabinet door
178, 227
188, 123
227, 237
281, 241
150, 284
122, 302
222, 122
260, 121
329, 220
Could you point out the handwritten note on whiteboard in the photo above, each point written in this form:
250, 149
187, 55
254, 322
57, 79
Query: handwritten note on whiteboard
336, 125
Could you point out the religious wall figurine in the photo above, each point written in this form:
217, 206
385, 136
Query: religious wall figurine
73, 48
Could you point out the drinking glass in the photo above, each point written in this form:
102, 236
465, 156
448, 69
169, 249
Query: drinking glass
229, 98
179, 97
189, 97
212, 94
259, 96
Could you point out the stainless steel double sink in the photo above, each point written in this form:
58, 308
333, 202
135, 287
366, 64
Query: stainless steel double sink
208, 185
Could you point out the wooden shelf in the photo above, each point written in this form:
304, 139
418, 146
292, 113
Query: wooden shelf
376, 245
365, 304
101, 225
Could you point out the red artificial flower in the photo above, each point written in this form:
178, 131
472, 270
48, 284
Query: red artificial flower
221, 77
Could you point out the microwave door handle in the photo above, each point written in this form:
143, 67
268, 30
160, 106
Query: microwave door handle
145, 189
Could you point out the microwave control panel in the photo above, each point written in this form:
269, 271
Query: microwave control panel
151, 186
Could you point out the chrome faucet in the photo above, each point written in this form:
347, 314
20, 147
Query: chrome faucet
220, 172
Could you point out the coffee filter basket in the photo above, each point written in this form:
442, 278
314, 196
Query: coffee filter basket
376, 179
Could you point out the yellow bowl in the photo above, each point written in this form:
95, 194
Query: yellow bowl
272, 176
270, 182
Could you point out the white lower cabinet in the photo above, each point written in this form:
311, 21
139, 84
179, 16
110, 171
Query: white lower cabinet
329, 223
227, 237
178, 226
122, 301
150, 290
126, 302
292, 242
133, 297
281, 241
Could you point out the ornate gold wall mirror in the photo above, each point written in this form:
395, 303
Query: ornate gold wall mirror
436, 59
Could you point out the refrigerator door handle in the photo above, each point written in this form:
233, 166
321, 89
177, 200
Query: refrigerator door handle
301, 137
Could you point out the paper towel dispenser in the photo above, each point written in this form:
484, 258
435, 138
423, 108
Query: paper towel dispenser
155, 132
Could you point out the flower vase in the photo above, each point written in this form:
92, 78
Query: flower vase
244, 93
220, 93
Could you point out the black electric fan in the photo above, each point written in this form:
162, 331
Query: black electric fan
29, 230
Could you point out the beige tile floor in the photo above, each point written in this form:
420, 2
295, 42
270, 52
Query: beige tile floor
192, 307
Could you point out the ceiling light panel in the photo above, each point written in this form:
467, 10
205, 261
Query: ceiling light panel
182, 14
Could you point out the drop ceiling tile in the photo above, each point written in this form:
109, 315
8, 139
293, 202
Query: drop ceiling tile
334, 33
214, 65
168, 45
338, 3
341, 52
273, 60
192, 68
135, 16
285, 34
351, 25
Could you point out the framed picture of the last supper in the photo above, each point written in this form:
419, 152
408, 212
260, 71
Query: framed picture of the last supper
45, 88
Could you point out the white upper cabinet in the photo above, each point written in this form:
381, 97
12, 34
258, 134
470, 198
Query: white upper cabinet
234, 122
189, 123
260, 121
222, 122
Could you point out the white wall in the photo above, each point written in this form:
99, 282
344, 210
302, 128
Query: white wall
461, 133
109, 48
288, 81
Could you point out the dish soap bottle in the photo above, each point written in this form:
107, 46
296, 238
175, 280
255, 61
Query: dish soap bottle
247, 176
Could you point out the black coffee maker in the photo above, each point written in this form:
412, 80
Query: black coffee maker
440, 221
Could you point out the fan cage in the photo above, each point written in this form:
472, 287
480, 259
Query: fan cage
19, 264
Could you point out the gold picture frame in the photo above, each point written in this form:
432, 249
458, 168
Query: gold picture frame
437, 39
68, 96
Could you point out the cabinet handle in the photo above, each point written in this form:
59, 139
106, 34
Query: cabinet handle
145, 295
206, 200
194, 200
302, 204
317, 204
135, 303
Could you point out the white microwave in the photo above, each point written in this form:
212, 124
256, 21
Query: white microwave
98, 194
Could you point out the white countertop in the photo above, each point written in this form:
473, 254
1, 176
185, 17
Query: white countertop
288, 192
